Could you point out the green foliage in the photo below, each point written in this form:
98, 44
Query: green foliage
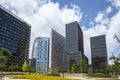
82, 65
2, 58
16, 67
42, 69
96, 70
73, 68
25, 67
56, 69
4, 55
90, 70
99, 75
11, 67
38, 77
116, 66
102, 67
32, 69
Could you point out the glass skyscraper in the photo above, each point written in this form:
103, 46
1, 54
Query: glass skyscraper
57, 50
98, 52
74, 44
15, 36
40, 54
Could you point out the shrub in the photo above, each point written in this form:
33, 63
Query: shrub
39, 77
99, 75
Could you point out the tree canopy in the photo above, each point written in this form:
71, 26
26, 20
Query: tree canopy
25, 67
4, 55
73, 68
116, 66
82, 65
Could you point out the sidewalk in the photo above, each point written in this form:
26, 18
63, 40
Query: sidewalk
9, 78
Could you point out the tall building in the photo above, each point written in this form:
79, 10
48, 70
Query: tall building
57, 48
98, 52
40, 54
15, 36
74, 44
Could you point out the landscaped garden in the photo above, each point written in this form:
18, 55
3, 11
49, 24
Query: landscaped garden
39, 77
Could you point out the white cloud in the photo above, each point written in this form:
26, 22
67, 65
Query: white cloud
43, 15
99, 17
91, 23
109, 10
115, 3
104, 25
102, 16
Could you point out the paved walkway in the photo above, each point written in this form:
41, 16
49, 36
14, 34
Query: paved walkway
9, 78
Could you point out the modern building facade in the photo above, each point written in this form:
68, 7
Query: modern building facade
57, 49
98, 52
15, 36
74, 44
40, 54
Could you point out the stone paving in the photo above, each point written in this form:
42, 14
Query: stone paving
9, 78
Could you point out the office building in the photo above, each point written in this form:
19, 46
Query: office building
15, 36
98, 52
57, 48
74, 44
40, 54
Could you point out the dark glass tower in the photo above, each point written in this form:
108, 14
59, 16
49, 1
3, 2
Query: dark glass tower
98, 52
57, 48
15, 36
74, 43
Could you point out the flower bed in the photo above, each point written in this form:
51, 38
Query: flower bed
38, 77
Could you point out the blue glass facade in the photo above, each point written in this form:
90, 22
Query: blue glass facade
41, 53
15, 36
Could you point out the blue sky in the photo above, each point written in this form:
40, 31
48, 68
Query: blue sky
96, 17
90, 8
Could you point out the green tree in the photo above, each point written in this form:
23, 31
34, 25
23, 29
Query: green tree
102, 67
82, 65
42, 69
11, 67
4, 55
56, 69
96, 70
90, 70
32, 69
73, 68
16, 67
25, 67
116, 65
110, 69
